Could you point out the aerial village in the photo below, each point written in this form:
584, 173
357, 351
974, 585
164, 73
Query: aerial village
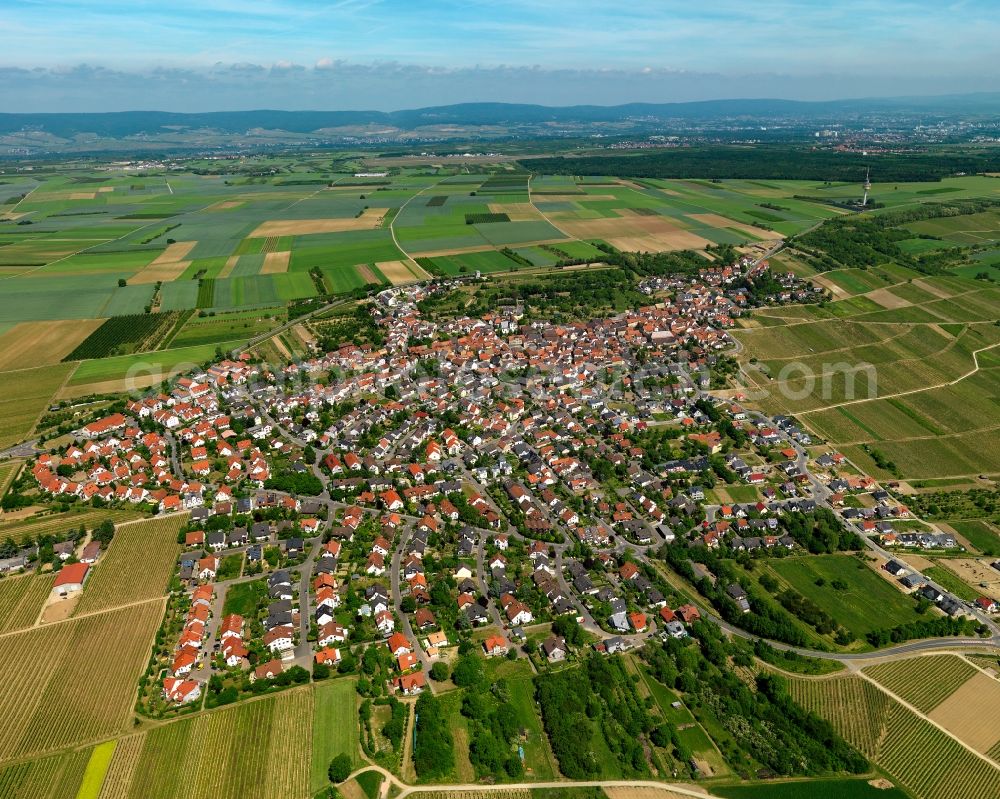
475, 479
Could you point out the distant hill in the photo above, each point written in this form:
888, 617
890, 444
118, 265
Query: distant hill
152, 123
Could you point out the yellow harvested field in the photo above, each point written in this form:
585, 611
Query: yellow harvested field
29, 344
174, 252
106, 189
715, 220
231, 262
164, 272
366, 273
517, 212
371, 218
275, 262
168, 266
643, 233
887, 299
226, 205
82, 195
971, 712
396, 272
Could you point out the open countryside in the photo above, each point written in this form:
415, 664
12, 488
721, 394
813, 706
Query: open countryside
613, 441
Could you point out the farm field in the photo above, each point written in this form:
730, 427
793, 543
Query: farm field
917, 755
62, 522
43, 669
810, 789
101, 246
8, 471
924, 682
55, 777
29, 344
225, 327
137, 565
125, 372
255, 750
912, 378
21, 600
868, 603
27, 394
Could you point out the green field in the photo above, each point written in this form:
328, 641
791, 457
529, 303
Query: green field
809, 789
28, 392
978, 533
97, 769
868, 603
335, 728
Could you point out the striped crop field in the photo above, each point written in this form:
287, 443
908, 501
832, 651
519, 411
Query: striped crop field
55, 777
256, 750
21, 600
137, 565
121, 771
922, 758
73, 681
924, 682
56, 523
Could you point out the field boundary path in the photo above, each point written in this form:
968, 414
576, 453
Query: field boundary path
959, 379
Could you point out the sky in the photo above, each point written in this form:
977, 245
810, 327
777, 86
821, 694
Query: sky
203, 55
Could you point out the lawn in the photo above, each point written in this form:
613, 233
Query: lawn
868, 603
335, 728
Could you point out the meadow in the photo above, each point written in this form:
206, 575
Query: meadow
867, 603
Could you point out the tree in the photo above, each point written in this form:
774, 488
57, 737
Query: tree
439, 671
340, 768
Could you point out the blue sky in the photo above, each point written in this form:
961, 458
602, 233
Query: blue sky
204, 54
